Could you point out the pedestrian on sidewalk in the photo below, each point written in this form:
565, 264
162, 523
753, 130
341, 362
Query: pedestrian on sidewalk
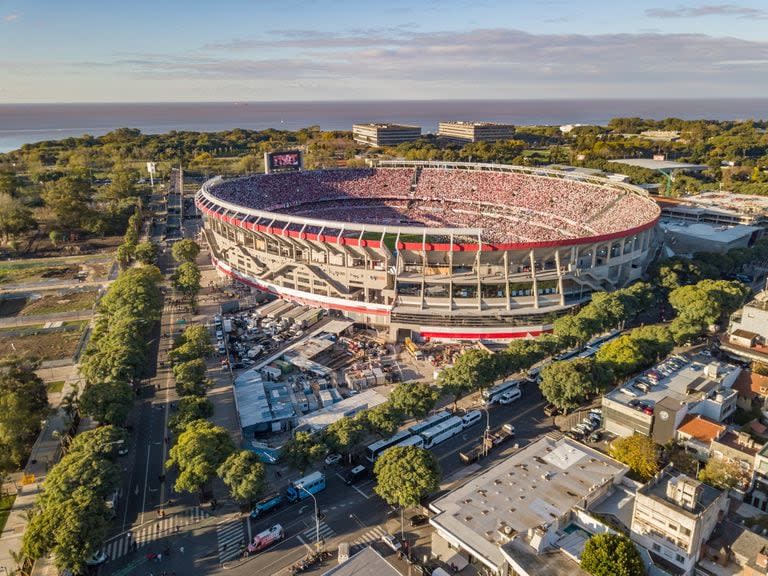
181, 550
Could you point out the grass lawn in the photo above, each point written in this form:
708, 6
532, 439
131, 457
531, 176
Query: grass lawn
53, 303
5, 508
54, 387
63, 268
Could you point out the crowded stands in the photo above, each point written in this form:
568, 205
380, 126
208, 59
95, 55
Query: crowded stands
506, 206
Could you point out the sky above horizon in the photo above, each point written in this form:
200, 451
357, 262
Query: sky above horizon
241, 50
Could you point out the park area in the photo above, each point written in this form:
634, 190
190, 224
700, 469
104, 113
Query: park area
44, 343
90, 267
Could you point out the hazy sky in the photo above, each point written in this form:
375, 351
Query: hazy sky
237, 50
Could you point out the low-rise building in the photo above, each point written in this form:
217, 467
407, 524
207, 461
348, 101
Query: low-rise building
738, 448
752, 390
461, 131
525, 515
697, 433
736, 550
686, 238
674, 516
748, 330
367, 562
656, 402
376, 134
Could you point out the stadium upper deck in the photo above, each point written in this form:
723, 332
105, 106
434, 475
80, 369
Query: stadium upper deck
436, 248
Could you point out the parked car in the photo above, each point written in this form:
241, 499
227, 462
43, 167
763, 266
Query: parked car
332, 459
418, 520
97, 559
357, 473
392, 542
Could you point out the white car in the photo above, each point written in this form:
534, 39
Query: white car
509, 397
392, 542
332, 459
98, 557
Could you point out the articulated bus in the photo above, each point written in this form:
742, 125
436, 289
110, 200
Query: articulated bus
442, 432
433, 420
374, 450
491, 395
303, 487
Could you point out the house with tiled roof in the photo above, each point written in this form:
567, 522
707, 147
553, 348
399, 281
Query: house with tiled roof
697, 433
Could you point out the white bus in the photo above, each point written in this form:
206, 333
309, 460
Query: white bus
491, 395
416, 440
428, 423
374, 450
442, 432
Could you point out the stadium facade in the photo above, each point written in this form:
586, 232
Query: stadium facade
444, 250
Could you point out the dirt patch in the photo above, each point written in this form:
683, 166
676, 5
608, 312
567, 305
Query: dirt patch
55, 303
45, 345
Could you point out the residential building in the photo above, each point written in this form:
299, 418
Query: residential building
748, 331
528, 513
461, 131
674, 516
385, 134
752, 390
656, 402
735, 550
740, 448
697, 433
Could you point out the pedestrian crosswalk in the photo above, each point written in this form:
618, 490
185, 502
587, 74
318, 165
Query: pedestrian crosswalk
124, 543
231, 538
373, 535
310, 534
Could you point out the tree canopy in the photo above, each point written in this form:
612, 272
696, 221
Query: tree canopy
189, 409
185, 250
414, 399
244, 475
566, 384
301, 451
611, 555
639, 453
405, 474
199, 451
107, 402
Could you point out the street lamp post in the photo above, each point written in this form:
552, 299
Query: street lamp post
487, 430
317, 518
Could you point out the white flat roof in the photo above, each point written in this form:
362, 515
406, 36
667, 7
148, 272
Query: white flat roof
652, 164
713, 232
531, 487
322, 418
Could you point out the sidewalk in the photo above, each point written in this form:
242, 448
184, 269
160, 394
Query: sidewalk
45, 453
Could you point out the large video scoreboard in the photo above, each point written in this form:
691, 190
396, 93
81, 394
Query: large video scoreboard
288, 161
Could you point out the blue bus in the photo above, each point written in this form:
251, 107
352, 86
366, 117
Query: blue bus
374, 450
267, 504
433, 420
303, 487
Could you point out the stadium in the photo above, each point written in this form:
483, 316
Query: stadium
450, 251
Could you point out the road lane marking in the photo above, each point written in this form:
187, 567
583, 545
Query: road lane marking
302, 541
146, 479
363, 494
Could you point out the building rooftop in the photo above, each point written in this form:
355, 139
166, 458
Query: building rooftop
659, 487
386, 125
472, 123
661, 164
739, 540
740, 442
704, 231
367, 562
741, 203
320, 419
553, 563
532, 487
260, 402
749, 383
701, 429
684, 381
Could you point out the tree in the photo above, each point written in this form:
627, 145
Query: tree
102, 441
624, 355
343, 435
146, 252
724, 474
244, 475
405, 474
383, 419
611, 555
189, 409
414, 399
15, 217
195, 342
474, 369
23, 405
185, 250
68, 198
301, 451
186, 279
107, 402
190, 378
199, 450
639, 453
567, 384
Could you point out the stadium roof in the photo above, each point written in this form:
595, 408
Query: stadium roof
651, 164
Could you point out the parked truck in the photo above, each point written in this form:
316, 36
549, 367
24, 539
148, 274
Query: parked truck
491, 439
265, 539
268, 504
